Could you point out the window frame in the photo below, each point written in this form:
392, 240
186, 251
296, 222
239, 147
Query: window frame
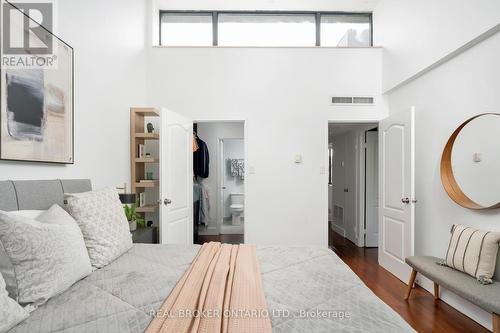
215, 22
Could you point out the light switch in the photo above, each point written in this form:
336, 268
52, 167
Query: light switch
477, 157
251, 170
298, 159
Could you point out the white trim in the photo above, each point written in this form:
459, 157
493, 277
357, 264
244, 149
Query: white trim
338, 230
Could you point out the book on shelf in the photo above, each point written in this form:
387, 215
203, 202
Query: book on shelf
142, 199
142, 151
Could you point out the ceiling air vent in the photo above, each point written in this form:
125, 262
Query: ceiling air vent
342, 100
355, 100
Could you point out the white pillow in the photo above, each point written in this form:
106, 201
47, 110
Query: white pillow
103, 223
31, 214
474, 252
48, 254
11, 312
5, 264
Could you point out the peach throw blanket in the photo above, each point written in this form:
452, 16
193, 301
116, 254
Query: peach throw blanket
220, 292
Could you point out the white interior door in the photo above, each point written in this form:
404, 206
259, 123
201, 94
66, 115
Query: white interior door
176, 179
397, 187
371, 190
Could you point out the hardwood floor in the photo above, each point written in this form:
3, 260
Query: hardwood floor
421, 311
230, 239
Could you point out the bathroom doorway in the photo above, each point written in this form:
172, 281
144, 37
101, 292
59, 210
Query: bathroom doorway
219, 181
231, 215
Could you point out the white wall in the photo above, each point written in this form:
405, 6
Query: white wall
416, 34
210, 132
233, 149
108, 39
445, 97
284, 95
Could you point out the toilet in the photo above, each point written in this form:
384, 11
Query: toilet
237, 207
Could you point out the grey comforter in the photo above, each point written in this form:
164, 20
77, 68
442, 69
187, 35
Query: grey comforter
307, 290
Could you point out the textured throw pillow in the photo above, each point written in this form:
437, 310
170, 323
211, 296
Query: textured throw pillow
103, 223
5, 264
473, 252
48, 254
11, 312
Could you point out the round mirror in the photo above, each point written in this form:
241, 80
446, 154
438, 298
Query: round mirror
470, 163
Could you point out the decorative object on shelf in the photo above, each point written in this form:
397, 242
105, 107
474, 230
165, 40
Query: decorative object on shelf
133, 218
142, 199
149, 175
470, 163
36, 110
148, 155
150, 128
149, 224
129, 207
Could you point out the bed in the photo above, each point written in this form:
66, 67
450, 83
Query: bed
307, 289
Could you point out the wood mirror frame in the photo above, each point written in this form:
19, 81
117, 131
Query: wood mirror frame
448, 178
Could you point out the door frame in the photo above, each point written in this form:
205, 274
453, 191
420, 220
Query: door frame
219, 175
360, 174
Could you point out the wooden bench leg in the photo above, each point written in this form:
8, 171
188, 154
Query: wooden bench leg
496, 323
410, 283
436, 290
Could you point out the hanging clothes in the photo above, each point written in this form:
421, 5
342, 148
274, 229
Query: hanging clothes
205, 205
195, 144
201, 159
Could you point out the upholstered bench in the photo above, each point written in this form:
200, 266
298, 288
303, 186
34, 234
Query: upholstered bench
486, 297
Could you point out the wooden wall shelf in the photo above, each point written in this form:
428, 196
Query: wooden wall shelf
148, 112
148, 136
147, 184
146, 160
147, 209
140, 165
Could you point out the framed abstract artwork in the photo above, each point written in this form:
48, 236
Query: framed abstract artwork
36, 110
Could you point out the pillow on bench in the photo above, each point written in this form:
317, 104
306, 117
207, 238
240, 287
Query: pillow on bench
474, 252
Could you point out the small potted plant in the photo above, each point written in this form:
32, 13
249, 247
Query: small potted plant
134, 219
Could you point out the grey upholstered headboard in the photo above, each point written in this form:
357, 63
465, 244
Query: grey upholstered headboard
38, 194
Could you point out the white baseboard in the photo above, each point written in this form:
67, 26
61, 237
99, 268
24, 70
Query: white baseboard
460, 304
337, 229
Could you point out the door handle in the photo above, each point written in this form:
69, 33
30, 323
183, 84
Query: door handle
405, 200
167, 202
223, 187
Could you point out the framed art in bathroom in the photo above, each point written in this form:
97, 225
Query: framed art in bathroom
37, 109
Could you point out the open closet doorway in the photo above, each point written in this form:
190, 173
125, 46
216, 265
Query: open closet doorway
219, 181
353, 183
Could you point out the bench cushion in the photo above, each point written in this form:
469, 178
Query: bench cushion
484, 296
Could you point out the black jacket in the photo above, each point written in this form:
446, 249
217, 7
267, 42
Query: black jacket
201, 161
